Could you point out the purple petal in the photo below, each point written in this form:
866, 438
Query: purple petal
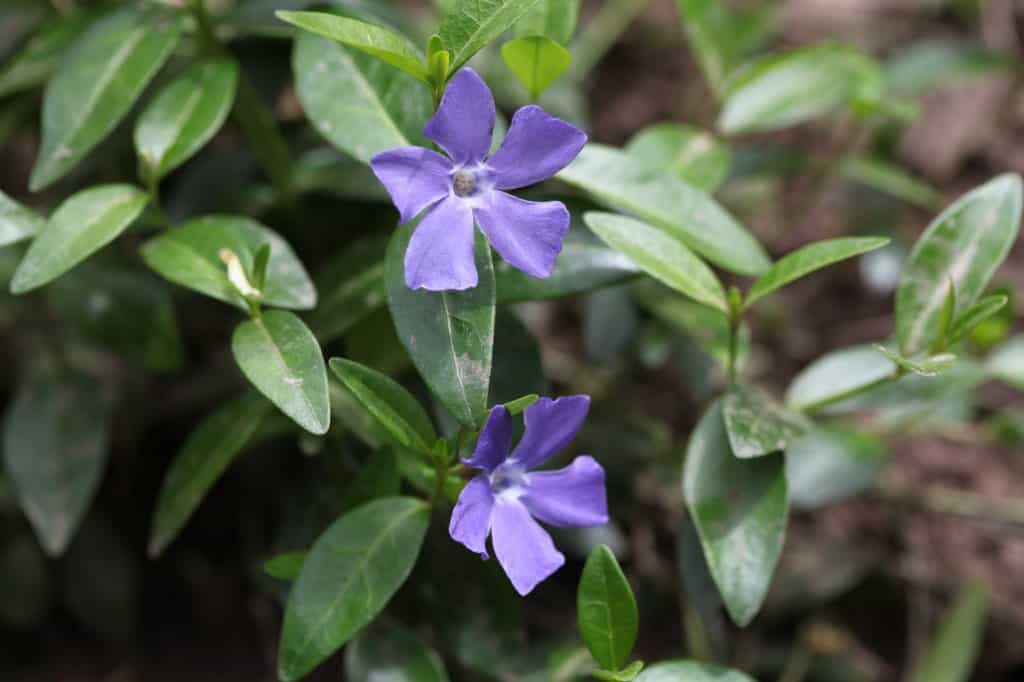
573, 497
464, 121
523, 548
527, 234
471, 518
440, 253
494, 442
414, 177
537, 146
550, 425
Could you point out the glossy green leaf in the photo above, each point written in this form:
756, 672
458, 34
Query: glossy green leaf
450, 334
360, 104
41, 54
606, 610
837, 374
740, 509
690, 671
1007, 362
661, 255
349, 576
618, 180
964, 245
470, 25
200, 462
351, 287
720, 35
98, 80
285, 566
555, 19
377, 41
81, 226
832, 463
809, 258
392, 654
951, 654
969, 319
17, 223
185, 115
692, 154
281, 357
891, 179
190, 256
537, 61
756, 424
55, 445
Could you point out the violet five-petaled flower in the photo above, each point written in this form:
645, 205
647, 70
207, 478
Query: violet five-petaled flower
466, 186
504, 500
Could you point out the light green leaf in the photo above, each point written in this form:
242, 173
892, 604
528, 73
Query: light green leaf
351, 287
349, 576
190, 256
964, 245
285, 566
891, 179
471, 25
966, 321
618, 180
392, 654
661, 255
756, 424
929, 366
34, 62
694, 155
809, 258
185, 115
360, 104
98, 80
931, 63
17, 223
627, 674
1007, 362
832, 463
838, 373
690, 671
449, 334
377, 41
81, 226
606, 610
740, 509
200, 462
536, 61
281, 357
951, 655
555, 19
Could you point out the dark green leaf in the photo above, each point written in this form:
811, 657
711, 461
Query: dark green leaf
690, 671
517, 367
692, 154
756, 424
830, 464
285, 566
17, 223
471, 25
952, 653
39, 57
838, 373
536, 61
392, 655
351, 287
555, 19
606, 610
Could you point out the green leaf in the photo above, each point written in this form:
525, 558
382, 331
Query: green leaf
536, 61
627, 674
398, 413
928, 366
392, 654
81, 226
756, 424
190, 256
606, 610
720, 36
661, 255
555, 19
281, 357
377, 41
832, 463
99, 79
891, 179
449, 334
360, 104
285, 566
964, 245
471, 25
951, 655
185, 115
55, 445
838, 373
694, 155
618, 180
17, 223
351, 287
809, 258
517, 369
740, 509
690, 671
200, 462
931, 63
966, 321
41, 54
348, 577
1007, 362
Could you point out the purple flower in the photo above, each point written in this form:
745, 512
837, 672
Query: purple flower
504, 500
466, 186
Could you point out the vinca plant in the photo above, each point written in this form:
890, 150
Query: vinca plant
358, 297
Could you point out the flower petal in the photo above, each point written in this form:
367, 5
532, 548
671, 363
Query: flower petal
573, 497
523, 548
527, 234
494, 442
471, 518
550, 425
464, 121
537, 146
414, 177
440, 253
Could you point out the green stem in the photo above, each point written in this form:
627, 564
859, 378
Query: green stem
601, 33
820, 405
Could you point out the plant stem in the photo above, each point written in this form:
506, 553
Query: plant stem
601, 33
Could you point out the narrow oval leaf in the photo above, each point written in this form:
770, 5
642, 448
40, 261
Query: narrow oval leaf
661, 255
966, 321
449, 334
281, 357
81, 226
392, 654
691, 671
348, 577
740, 509
200, 462
351, 288
55, 444
185, 115
832, 463
190, 256
360, 104
952, 653
606, 610
756, 424
470, 25
809, 258
694, 155
536, 61
964, 245
555, 19
17, 223
39, 57
618, 180
837, 374
99, 79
